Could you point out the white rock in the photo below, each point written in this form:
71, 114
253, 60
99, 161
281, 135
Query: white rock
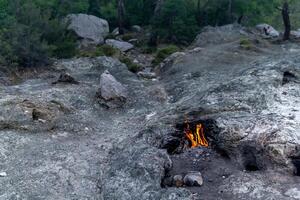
293, 193
193, 179
3, 174
295, 34
121, 45
267, 30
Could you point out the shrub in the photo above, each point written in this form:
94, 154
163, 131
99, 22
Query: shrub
128, 36
176, 22
164, 53
133, 67
107, 50
104, 50
245, 43
31, 36
148, 50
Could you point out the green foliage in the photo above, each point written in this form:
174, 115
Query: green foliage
107, 50
104, 50
164, 53
29, 35
176, 21
128, 36
133, 67
32, 31
245, 43
94, 8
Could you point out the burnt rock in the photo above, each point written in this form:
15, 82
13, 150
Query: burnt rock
193, 179
178, 180
111, 93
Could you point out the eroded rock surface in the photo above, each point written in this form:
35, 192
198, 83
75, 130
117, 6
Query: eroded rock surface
57, 142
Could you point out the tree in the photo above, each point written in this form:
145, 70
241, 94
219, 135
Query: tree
175, 21
157, 12
286, 20
94, 8
121, 16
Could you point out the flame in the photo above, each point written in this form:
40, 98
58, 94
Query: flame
197, 138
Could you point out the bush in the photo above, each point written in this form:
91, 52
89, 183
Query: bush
31, 36
107, 50
104, 50
148, 49
130, 65
128, 36
176, 22
245, 43
164, 53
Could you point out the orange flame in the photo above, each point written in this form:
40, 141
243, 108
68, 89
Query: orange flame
197, 138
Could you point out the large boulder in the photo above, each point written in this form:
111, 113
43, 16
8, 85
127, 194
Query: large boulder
121, 45
111, 93
295, 34
267, 30
218, 35
89, 28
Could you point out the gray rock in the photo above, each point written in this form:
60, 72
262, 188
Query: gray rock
146, 74
267, 30
218, 35
121, 45
136, 28
193, 179
295, 34
66, 78
88, 27
115, 32
112, 92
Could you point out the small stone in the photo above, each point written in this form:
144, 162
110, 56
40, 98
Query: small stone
193, 179
3, 174
66, 78
146, 75
178, 180
42, 121
223, 177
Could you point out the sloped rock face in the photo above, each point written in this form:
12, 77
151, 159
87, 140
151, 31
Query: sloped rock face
255, 117
89, 28
57, 142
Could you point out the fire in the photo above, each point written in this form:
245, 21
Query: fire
197, 138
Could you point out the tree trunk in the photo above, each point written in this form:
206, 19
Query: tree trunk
240, 19
286, 20
121, 16
154, 36
158, 6
230, 11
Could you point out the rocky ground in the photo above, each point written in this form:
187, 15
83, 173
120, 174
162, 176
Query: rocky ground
59, 142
